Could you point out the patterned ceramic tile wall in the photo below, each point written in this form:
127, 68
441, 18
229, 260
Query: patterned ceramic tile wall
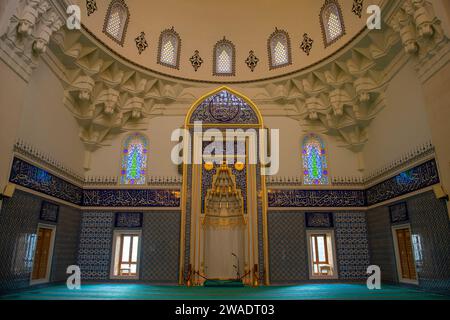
381, 246
352, 245
429, 220
19, 219
287, 246
160, 246
18, 222
66, 242
94, 255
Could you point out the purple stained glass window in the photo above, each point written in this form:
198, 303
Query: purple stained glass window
134, 159
315, 167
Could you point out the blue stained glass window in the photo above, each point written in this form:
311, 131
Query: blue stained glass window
134, 159
315, 168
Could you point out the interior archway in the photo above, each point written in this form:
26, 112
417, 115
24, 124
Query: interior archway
223, 109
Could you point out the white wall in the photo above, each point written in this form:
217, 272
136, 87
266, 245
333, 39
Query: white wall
12, 89
47, 124
401, 125
106, 160
341, 161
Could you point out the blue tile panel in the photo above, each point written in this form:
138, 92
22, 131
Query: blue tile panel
67, 238
417, 178
37, 179
27, 175
94, 255
288, 249
381, 245
130, 198
128, 220
160, 246
288, 253
49, 212
428, 218
430, 223
19, 218
316, 198
352, 245
18, 224
319, 219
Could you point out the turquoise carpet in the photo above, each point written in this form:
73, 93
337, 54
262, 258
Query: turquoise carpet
333, 291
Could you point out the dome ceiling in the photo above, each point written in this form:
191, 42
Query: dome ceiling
202, 23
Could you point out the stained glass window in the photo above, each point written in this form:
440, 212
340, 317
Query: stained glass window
279, 49
116, 21
332, 22
169, 48
315, 167
134, 159
224, 55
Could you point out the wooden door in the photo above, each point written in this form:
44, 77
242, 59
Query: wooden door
405, 252
42, 253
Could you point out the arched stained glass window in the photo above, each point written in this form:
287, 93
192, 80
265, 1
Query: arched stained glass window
279, 46
332, 22
116, 21
315, 167
224, 58
134, 159
169, 48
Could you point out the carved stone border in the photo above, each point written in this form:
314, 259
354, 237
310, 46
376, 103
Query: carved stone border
322, 26
125, 27
170, 31
233, 58
269, 49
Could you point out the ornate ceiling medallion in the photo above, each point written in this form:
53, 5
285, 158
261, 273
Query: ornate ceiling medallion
196, 60
306, 44
141, 43
91, 6
357, 7
252, 60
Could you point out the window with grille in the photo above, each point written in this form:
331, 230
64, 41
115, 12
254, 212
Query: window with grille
331, 22
126, 254
169, 48
279, 49
321, 254
224, 58
116, 21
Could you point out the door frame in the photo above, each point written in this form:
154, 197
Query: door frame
397, 254
50, 254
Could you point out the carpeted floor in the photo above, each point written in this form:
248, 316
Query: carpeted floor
334, 291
